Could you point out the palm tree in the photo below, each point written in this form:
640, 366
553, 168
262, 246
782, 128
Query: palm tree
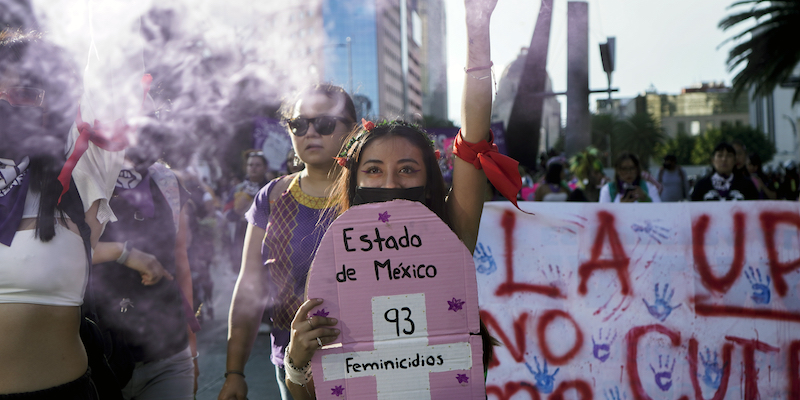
769, 50
639, 134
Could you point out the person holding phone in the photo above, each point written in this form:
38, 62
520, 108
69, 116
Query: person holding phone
628, 185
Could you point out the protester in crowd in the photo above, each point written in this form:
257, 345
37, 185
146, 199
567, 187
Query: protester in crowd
553, 188
628, 185
200, 241
285, 225
673, 179
47, 225
740, 167
722, 184
154, 321
759, 178
587, 169
790, 185
400, 159
240, 199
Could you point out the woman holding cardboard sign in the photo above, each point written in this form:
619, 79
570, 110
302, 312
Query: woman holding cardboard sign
394, 160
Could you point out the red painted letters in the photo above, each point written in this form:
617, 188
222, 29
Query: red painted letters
510, 287
518, 352
727, 348
582, 387
769, 221
511, 388
708, 279
750, 374
548, 317
632, 338
618, 262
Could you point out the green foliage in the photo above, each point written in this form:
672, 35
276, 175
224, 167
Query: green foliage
603, 130
753, 140
638, 134
769, 49
584, 163
681, 146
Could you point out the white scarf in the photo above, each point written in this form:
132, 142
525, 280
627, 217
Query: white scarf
722, 185
11, 174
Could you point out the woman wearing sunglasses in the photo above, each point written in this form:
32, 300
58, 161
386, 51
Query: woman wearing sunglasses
285, 225
44, 226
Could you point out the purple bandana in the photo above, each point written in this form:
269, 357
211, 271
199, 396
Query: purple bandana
13, 190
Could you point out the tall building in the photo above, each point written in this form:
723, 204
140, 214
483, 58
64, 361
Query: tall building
434, 58
695, 110
389, 54
504, 101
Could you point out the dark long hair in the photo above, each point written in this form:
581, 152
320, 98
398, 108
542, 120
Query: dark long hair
635, 160
39, 64
435, 189
554, 173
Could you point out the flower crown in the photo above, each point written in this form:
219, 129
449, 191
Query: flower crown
368, 126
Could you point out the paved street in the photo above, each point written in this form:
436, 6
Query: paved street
211, 342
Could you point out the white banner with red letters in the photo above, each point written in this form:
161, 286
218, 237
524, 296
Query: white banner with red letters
642, 301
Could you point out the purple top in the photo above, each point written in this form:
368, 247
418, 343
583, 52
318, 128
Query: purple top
295, 224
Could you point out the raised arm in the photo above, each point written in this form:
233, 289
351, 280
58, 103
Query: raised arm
465, 202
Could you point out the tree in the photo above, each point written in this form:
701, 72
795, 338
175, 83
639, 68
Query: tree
603, 131
638, 134
752, 139
681, 146
769, 50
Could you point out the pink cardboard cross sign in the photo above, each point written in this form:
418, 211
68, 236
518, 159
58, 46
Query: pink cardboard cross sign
403, 288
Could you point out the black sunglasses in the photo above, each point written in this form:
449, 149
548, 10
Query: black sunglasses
20, 96
324, 125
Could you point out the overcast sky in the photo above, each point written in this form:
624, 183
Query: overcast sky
669, 44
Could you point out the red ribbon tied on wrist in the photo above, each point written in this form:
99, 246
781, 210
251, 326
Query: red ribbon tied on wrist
501, 170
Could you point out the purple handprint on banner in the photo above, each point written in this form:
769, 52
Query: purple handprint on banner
657, 233
661, 308
663, 377
712, 376
761, 293
484, 261
555, 278
601, 348
544, 382
613, 394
